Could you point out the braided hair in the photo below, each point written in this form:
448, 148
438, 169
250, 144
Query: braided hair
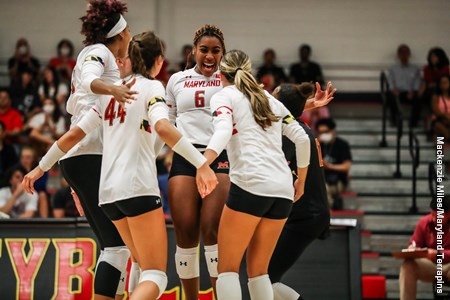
99, 19
209, 30
143, 50
237, 68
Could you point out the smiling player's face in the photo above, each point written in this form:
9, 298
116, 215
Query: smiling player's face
208, 54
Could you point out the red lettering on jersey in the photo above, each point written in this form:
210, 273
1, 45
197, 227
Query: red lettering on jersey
206, 295
235, 131
319, 153
67, 269
222, 165
26, 266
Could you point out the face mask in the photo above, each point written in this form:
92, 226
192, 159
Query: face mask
326, 137
65, 51
48, 108
23, 50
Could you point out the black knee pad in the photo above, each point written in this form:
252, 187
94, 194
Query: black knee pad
106, 280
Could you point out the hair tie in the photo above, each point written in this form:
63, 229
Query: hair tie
238, 69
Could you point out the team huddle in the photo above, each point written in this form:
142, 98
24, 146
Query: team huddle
230, 182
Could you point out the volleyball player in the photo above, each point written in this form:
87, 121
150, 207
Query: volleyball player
310, 216
106, 37
129, 192
188, 96
250, 123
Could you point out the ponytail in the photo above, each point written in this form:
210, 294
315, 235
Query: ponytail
236, 67
143, 50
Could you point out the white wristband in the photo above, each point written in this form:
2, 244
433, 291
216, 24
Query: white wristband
51, 157
189, 152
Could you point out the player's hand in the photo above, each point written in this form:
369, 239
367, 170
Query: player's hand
299, 187
30, 178
322, 98
123, 94
206, 180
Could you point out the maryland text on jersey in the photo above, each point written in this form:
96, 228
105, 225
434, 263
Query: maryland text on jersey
201, 83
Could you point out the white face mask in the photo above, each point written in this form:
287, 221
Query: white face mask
23, 49
65, 51
326, 137
48, 108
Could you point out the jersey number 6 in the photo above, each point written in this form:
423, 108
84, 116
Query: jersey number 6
199, 98
110, 112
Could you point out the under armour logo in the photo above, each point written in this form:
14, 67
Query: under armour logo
158, 201
183, 263
122, 279
214, 260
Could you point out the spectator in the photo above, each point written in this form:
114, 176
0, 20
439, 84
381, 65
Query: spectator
47, 126
8, 156
438, 66
188, 61
269, 68
63, 204
441, 109
404, 83
10, 117
13, 199
64, 63
25, 96
52, 88
21, 61
306, 70
425, 236
28, 161
337, 161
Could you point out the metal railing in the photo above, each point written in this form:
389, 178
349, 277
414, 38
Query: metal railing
414, 151
388, 100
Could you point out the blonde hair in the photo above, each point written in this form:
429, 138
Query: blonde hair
236, 67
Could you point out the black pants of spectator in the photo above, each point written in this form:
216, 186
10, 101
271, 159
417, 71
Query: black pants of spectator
83, 175
297, 234
416, 104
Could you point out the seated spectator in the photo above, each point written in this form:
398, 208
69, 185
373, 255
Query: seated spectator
425, 236
441, 109
13, 199
64, 63
28, 161
188, 61
10, 117
21, 61
25, 96
269, 68
52, 88
306, 70
8, 155
63, 204
438, 66
404, 83
337, 161
47, 126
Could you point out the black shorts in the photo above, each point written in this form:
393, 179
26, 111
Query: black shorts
181, 166
131, 207
259, 206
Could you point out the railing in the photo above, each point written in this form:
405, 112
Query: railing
388, 99
414, 151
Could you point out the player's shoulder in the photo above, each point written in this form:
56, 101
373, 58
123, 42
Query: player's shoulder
179, 76
96, 52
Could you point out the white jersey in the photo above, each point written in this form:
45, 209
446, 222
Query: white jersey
95, 61
188, 97
257, 162
129, 158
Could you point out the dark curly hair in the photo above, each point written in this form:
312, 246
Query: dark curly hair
209, 30
294, 96
100, 18
143, 50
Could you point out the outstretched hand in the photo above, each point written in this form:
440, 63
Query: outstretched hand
30, 178
123, 94
322, 98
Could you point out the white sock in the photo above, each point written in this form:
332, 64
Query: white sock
228, 286
260, 288
283, 292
